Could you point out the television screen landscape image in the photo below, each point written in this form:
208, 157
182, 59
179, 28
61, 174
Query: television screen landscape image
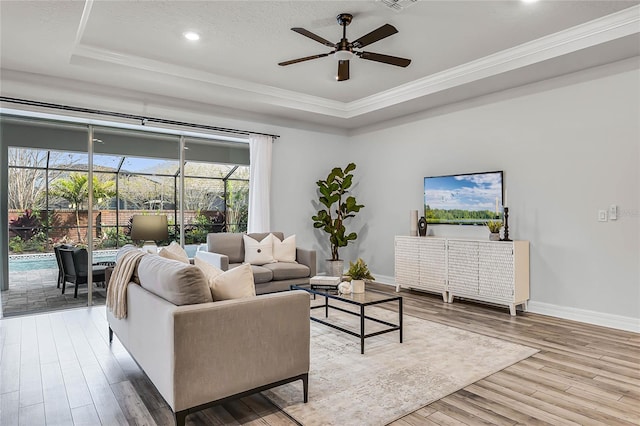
471, 199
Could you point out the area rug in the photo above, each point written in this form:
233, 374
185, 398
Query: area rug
391, 379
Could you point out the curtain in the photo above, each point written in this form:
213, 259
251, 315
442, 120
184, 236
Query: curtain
259, 183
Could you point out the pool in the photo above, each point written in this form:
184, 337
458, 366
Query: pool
37, 261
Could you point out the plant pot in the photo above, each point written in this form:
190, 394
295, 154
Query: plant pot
335, 268
494, 236
357, 286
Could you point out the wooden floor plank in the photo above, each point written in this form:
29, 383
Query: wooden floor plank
465, 405
162, 416
30, 379
56, 402
75, 385
32, 415
440, 418
9, 408
131, 405
267, 410
107, 406
556, 410
587, 407
10, 368
457, 414
46, 343
85, 415
214, 416
497, 405
526, 408
562, 383
414, 419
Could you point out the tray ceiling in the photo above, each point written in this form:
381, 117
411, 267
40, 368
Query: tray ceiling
456, 47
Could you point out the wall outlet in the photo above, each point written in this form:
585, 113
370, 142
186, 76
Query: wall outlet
602, 215
613, 212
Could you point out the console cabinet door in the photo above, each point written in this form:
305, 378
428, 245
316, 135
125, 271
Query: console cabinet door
463, 268
433, 264
407, 262
496, 274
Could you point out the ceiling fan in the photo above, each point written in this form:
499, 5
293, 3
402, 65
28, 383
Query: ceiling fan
344, 49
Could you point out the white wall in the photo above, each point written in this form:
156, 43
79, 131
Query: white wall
300, 158
568, 147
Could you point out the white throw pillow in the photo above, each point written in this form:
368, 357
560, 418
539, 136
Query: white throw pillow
258, 252
211, 272
235, 283
168, 254
284, 251
176, 249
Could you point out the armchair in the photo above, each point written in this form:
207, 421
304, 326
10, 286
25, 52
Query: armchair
75, 268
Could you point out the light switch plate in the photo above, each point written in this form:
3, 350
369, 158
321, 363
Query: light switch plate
613, 212
602, 215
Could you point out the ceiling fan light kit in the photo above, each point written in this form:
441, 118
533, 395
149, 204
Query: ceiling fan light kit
344, 50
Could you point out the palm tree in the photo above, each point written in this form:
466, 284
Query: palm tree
237, 206
75, 190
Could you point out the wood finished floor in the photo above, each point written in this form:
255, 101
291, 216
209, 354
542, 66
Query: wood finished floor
57, 369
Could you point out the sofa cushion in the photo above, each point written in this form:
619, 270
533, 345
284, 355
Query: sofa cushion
258, 252
235, 283
287, 271
229, 244
174, 281
260, 273
210, 271
285, 250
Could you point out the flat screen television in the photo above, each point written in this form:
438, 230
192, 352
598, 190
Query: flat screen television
465, 199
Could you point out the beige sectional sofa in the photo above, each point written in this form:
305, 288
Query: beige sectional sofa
228, 251
199, 352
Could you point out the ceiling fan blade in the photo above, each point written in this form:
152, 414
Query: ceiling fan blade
385, 59
383, 32
313, 36
343, 70
306, 58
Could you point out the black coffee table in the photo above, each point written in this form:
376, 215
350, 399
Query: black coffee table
368, 298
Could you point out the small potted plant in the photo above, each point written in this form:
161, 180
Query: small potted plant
358, 272
494, 229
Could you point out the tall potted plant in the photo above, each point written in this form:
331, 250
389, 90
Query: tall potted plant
339, 206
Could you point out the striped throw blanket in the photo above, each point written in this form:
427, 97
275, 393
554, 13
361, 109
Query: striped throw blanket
120, 278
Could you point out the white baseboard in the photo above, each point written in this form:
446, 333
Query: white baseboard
582, 315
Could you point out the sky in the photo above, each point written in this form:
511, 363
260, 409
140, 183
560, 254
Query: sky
477, 191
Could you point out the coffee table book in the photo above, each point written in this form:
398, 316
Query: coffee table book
322, 282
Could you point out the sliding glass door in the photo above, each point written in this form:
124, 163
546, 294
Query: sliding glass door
77, 186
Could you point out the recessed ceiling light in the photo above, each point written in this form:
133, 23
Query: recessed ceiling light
190, 35
529, 1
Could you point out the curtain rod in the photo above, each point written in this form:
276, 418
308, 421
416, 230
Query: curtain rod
143, 119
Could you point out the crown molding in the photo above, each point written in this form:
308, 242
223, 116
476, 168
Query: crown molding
611, 27
268, 94
620, 24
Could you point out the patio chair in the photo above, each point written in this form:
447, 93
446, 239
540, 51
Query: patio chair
56, 251
74, 265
